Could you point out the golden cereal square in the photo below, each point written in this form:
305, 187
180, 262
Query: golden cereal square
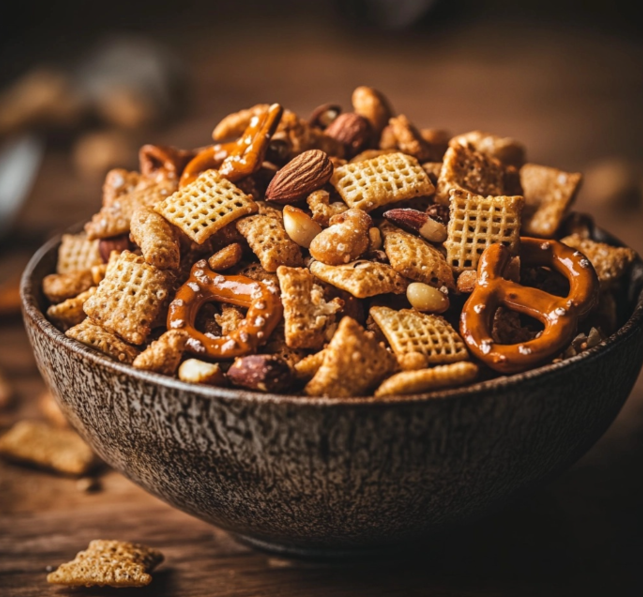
102, 340
308, 318
410, 331
505, 149
361, 278
465, 169
163, 355
130, 297
382, 180
477, 222
108, 563
70, 312
549, 193
270, 242
428, 380
206, 205
354, 363
415, 258
77, 253
61, 450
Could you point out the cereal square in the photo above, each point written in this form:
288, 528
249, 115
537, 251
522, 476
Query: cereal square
163, 355
102, 340
77, 253
130, 298
206, 205
354, 363
431, 335
477, 222
361, 278
308, 318
505, 149
548, 192
382, 180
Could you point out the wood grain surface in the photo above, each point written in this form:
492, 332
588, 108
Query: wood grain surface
572, 97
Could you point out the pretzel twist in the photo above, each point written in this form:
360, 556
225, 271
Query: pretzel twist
559, 315
206, 286
240, 158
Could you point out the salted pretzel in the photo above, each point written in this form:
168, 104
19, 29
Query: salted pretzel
240, 158
206, 286
559, 315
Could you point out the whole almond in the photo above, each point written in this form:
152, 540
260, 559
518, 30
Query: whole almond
351, 129
301, 176
264, 372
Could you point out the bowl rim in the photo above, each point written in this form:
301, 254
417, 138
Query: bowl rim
29, 291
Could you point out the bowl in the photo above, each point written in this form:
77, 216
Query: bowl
328, 477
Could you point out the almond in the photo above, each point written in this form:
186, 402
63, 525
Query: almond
301, 176
351, 129
322, 116
418, 221
264, 372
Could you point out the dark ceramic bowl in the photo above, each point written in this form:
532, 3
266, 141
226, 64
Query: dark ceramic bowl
329, 476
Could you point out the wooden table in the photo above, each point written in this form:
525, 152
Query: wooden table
572, 98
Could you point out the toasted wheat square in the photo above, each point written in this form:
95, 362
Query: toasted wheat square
415, 258
61, 450
60, 287
465, 169
361, 278
206, 205
478, 222
270, 242
157, 238
108, 563
130, 298
505, 149
549, 193
354, 363
382, 180
70, 312
610, 263
77, 253
308, 318
102, 340
163, 355
431, 335
428, 380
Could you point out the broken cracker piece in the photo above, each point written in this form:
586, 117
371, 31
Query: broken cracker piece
157, 239
70, 312
354, 363
427, 380
163, 355
108, 563
103, 340
61, 450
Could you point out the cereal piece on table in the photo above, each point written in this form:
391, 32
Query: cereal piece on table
415, 258
77, 253
226, 258
156, 238
410, 141
427, 380
270, 242
163, 355
70, 312
48, 407
322, 209
306, 368
548, 192
505, 149
361, 278
205, 206
130, 298
409, 331
196, 371
476, 222
465, 169
114, 217
60, 287
610, 263
308, 319
60, 450
467, 281
108, 563
385, 179
229, 319
354, 363
103, 340
255, 271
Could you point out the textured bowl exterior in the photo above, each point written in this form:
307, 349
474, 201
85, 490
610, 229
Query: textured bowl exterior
333, 474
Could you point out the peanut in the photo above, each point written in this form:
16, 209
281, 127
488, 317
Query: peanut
426, 298
300, 227
195, 371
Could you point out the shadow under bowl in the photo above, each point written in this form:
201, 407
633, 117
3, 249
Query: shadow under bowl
327, 477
